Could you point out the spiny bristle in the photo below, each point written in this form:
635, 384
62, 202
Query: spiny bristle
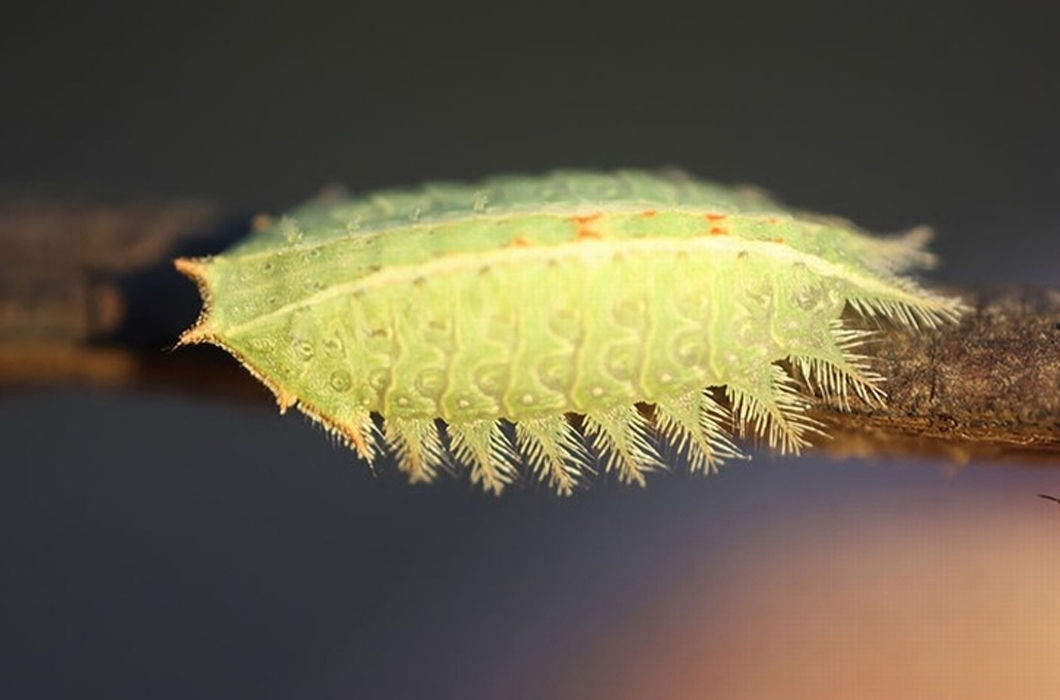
195, 270
622, 433
553, 451
767, 405
199, 333
483, 445
776, 412
931, 313
833, 382
551, 447
417, 445
835, 369
692, 425
848, 340
357, 431
363, 435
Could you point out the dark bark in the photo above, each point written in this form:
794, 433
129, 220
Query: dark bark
990, 385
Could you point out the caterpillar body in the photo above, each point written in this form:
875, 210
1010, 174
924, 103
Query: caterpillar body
648, 307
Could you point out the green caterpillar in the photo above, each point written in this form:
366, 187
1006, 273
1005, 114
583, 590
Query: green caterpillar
617, 297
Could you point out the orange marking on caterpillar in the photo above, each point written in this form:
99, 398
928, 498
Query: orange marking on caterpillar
520, 242
718, 231
582, 230
648, 213
715, 217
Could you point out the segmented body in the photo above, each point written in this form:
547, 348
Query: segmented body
527, 299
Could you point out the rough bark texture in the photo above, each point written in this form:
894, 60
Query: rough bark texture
990, 385
88, 295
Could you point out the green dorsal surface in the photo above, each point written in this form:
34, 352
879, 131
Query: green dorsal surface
559, 191
652, 305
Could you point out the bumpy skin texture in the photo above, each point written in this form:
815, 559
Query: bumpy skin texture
526, 299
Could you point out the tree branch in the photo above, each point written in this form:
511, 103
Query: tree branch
988, 386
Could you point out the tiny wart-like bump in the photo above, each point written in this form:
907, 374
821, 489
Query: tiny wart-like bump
379, 379
340, 380
333, 345
431, 382
304, 350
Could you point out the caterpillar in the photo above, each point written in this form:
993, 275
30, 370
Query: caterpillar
597, 313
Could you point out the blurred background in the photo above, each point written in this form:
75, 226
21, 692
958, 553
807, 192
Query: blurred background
160, 546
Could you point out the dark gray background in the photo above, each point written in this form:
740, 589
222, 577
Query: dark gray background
158, 547
913, 113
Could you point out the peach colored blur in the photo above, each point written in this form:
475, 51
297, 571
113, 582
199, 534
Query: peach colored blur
914, 600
